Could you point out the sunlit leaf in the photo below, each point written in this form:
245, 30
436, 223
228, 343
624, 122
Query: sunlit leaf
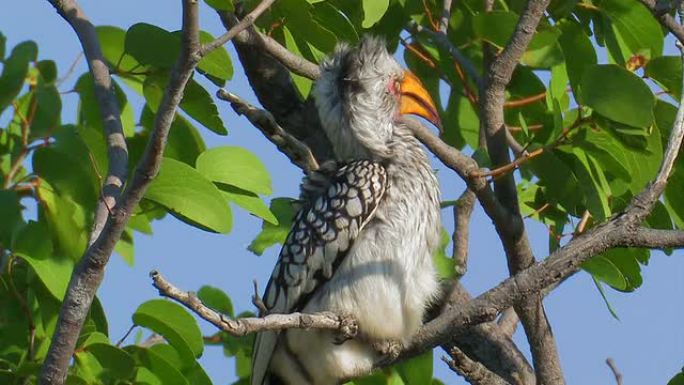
184, 191
235, 166
174, 323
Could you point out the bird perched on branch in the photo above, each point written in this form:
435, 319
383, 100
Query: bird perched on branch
362, 243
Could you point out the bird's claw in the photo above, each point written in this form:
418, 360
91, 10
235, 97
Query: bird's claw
389, 350
348, 330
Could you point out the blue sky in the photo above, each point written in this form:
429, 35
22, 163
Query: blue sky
647, 343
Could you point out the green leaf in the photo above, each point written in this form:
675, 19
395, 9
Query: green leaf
10, 212
635, 25
418, 370
373, 10
271, 234
152, 45
117, 364
678, 379
594, 184
47, 109
618, 268
184, 142
495, 27
559, 181
544, 51
303, 84
124, 247
68, 221
89, 109
158, 366
335, 21
175, 324
248, 201
3, 42
184, 191
578, 51
618, 95
113, 40
48, 71
196, 101
33, 245
14, 71
216, 299
235, 166
667, 71
221, 5
674, 199
444, 265
599, 286
216, 65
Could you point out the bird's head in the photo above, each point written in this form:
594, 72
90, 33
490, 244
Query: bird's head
361, 93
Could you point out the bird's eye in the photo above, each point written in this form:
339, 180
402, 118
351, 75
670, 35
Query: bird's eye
397, 85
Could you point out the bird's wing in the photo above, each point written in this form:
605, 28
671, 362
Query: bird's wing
322, 233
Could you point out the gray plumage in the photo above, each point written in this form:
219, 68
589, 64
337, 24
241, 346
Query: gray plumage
362, 242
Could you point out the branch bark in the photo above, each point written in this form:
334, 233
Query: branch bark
346, 326
89, 272
109, 111
514, 238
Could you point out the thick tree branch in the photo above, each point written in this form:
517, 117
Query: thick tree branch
514, 238
298, 152
488, 345
109, 111
89, 272
657, 239
346, 326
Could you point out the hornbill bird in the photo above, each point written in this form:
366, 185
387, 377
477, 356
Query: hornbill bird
362, 242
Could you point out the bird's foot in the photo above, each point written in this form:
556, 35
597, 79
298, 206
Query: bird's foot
348, 330
389, 350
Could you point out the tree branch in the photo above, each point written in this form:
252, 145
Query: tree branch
88, 273
246, 22
514, 238
614, 369
109, 110
472, 371
488, 345
463, 211
298, 152
346, 326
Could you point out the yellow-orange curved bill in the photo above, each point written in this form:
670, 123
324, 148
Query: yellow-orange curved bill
414, 99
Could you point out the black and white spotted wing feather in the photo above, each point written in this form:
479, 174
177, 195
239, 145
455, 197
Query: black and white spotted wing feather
336, 207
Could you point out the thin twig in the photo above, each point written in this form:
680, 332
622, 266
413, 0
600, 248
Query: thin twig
345, 325
463, 211
614, 369
243, 24
298, 152
472, 371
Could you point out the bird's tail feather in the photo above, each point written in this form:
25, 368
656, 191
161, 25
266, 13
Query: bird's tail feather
264, 345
